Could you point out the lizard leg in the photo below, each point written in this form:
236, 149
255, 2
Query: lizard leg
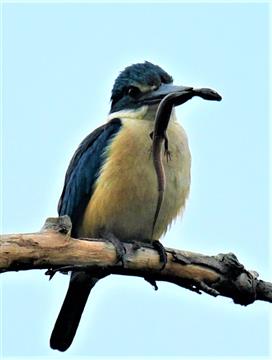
167, 152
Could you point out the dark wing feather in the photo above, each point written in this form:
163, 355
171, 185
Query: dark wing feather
83, 171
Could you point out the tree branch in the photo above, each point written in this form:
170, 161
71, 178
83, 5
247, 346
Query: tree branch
54, 249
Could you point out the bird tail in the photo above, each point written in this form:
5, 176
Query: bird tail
72, 308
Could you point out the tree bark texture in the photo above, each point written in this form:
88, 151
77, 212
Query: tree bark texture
52, 248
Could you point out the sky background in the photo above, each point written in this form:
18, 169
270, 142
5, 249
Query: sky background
59, 65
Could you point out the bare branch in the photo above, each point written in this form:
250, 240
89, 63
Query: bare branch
54, 249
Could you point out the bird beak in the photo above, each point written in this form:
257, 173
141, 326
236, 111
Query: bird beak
154, 97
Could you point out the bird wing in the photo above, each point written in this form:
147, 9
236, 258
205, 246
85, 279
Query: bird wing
83, 171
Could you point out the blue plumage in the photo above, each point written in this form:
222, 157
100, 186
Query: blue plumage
83, 171
145, 74
138, 85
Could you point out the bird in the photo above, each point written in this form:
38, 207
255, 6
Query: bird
110, 187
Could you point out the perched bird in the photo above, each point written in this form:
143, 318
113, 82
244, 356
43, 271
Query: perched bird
111, 186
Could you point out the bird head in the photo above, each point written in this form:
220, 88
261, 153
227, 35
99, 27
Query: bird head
141, 84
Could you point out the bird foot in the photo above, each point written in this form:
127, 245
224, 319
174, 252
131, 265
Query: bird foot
119, 246
161, 251
154, 244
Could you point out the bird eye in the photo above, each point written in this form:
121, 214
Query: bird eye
133, 91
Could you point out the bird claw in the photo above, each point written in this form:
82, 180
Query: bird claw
51, 272
152, 282
161, 251
156, 245
119, 247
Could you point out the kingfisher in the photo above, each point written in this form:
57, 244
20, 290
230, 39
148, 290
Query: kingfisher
110, 187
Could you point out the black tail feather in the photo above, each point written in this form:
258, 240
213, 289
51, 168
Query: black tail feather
72, 308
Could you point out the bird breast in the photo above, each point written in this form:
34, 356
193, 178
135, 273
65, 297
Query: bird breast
126, 192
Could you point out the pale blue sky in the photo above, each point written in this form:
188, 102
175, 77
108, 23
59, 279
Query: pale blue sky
59, 64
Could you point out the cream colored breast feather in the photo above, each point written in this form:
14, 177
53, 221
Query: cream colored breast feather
125, 197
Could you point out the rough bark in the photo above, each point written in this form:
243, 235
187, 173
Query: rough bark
52, 248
